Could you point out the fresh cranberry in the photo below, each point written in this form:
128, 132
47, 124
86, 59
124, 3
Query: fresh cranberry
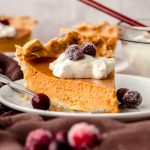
38, 139
4, 21
61, 136
132, 99
120, 94
41, 101
83, 136
56, 145
89, 49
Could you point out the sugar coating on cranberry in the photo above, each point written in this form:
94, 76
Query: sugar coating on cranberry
132, 99
83, 136
120, 93
74, 52
38, 139
41, 101
89, 48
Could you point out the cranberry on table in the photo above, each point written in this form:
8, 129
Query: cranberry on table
89, 49
83, 136
38, 139
41, 101
61, 136
74, 52
132, 99
120, 94
60, 142
56, 145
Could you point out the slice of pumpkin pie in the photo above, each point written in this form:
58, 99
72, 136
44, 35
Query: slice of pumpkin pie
15, 30
75, 71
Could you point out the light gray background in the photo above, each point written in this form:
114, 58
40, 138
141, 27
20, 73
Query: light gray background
53, 14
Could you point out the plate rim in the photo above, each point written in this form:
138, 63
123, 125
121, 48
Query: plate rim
129, 115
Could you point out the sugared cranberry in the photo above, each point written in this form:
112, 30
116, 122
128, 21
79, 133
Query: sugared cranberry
74, 52
132, 99
83, 136
120, 94
56, 145
89, 49
4, 21
38, 139
41, 101
61, 136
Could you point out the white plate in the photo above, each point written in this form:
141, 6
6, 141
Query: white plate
12, 99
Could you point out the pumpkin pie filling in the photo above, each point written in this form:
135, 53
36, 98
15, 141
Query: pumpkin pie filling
66, 94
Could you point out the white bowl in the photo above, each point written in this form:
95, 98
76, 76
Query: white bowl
136, 45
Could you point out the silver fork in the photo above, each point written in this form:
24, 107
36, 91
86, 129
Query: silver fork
19, 88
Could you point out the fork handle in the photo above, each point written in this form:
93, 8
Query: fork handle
4, 79
20, 88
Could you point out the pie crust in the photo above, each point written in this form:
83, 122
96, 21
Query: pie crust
68, 94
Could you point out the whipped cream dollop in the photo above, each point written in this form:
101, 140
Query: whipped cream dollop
7, 31
87, 67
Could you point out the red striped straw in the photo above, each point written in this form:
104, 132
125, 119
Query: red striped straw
112, 13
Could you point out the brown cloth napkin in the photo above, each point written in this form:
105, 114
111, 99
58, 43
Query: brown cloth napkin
10, 68
14, 128
118, 136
